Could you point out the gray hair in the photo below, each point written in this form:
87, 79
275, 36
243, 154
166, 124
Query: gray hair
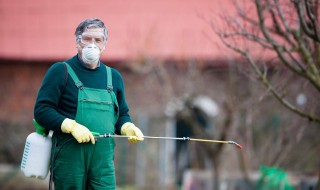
90, 23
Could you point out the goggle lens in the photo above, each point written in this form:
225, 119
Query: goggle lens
88, 38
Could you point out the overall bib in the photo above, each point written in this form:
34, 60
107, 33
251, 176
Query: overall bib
80, 166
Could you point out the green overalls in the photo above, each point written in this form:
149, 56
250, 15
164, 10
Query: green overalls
79, 166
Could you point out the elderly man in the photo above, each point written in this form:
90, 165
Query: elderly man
77, 97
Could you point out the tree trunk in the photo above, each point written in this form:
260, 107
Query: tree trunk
318, 184
216, 173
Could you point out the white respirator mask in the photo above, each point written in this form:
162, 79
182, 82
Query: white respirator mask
90, 53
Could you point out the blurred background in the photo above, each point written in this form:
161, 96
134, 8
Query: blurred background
246, 71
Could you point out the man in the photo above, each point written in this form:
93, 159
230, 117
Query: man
80, 96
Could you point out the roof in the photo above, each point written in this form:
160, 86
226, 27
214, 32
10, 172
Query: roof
171, 29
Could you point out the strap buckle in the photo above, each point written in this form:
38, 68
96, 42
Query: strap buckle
79, 85
109, 88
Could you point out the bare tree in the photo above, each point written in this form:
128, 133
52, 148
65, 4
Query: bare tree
288, 32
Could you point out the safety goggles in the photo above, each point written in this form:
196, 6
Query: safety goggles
92, 37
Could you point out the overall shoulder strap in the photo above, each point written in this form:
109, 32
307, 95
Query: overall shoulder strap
109, 79
110, 90
74, 77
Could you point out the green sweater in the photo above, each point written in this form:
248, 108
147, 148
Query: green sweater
58, 95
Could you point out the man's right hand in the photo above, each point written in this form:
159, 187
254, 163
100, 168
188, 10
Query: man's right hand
78, 131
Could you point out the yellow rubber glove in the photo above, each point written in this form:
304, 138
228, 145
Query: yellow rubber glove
79, 132
129, 129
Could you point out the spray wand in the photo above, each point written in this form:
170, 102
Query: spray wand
98, 135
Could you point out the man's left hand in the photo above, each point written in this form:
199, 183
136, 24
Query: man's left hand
129, 129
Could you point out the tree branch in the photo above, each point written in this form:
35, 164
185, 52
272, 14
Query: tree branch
313, 18
305, 27
268, 85
277, 25
312, 77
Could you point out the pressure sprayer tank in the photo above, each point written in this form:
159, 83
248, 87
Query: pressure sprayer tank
36, 155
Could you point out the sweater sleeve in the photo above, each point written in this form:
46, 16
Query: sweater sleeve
46, 105
123, 106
